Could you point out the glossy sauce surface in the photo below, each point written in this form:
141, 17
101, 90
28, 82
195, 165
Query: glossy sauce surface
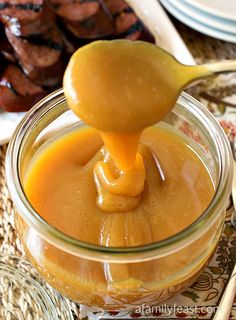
176, 191
122, 86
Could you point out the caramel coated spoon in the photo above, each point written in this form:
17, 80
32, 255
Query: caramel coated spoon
125, 86
121, 87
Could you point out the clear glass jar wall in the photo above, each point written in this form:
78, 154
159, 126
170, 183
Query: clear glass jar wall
120, 278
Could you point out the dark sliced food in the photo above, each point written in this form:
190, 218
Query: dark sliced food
40, 51
21, 9
29, 28
127, 24
50, 76
69, 46
6, 50
116, 7
17, 92
99, 25
75, 10
40, 57
34, 52
124, 21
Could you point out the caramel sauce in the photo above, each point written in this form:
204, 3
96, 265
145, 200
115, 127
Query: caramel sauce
60, 185
142, 186
121, 87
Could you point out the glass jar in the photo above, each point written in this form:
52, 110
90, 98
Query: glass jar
166, 267
25, 296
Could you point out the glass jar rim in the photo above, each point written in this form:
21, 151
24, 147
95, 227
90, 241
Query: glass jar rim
71, 244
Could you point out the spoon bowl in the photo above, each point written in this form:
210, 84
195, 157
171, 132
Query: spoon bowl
123, 73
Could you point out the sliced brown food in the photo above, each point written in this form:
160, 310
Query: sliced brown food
136, 31
75, 10
21, 9
144, 35
17, 92
42, 51
140, 34
2, 63
50, 76
29, 28
116, 6
99, 25
127, 24
69, 46
6, 50
40, 57
137, 35
124, 21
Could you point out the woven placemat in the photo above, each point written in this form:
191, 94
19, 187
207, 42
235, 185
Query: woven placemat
218, 95
9, 242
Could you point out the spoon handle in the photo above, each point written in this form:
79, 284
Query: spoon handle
191, 73
222, 66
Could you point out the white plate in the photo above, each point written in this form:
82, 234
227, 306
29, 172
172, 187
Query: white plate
199, 26
157, 21
222, 8
208, 19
